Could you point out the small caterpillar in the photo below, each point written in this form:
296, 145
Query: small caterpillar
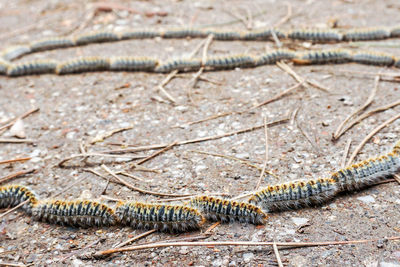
367, 172
132, 64
12, 195
228, 210
181, 64
274, 56
74, 213
365, 34
14, 52
51, 43
83, 64
294, 195
183, 33
396, 62
167, 218
322, 57
229, 62
97, 37
32, 67
224, 35
139, 34
373, 58
318, 35
395, 31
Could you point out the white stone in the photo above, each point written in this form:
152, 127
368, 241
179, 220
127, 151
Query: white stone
367, 199
299, 221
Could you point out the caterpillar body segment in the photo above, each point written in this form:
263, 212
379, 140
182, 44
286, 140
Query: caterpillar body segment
365, 34
317, 35
74, 213
165, 218
325, 56
223, 35
132, 64
294, 195
373, 58
15, 52
51, 43
274, 56
139, 34
183, 33
367, 172
83, 64
4, 65
259, 34
229, 62
396, 62
218, 209
97, 37
12, 195
181, 64
395, 31
32, 67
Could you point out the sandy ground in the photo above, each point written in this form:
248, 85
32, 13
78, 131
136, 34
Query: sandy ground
76, 108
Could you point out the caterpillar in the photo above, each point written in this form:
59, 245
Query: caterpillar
364, 34
183, 33
97, 37
395, 31
316, 35
294, 195
132, 64
139, 34
4, 65
373, 58
229, 62
83, 64
224, 35
81, 213
51, 43
396, 62
322, 57
12, 195
14, 52
218, 209
166, 218
274, 56
32, 67
181, 64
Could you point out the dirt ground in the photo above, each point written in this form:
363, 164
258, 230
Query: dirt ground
76, 108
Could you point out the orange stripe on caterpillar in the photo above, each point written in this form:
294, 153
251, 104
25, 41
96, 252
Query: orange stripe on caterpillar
228, 210
74, 213
166, 218
12, 195
294, 195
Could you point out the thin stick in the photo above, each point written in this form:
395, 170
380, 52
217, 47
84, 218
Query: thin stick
241, 243
3, 263
276, 39
371, 97
197, 140
20, 117
61, 163
285, 18
130, 175
16, 141
15, 208
119, 179
266, 154
396, 178
156, 153
278, 96
346, 153
14, 175
212, 227
14, 160
101, 137
278, 258
377, 129
134, 239
209, 118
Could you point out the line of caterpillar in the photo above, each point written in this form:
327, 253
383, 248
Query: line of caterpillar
314, 35
13, 195
218, 209
88, 64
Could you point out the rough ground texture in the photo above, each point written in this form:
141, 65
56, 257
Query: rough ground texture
76, 108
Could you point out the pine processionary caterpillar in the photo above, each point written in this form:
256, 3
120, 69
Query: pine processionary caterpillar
83, 64
181, 64
318, 35
373, 58
396, 62
294, 195
51, 43
322, 57
395, 31
97, 37
222, 35
140, 34
217, 209
74, 213
32, 67
365, 34
132, 64
166, 218
229, 62
14, 52
183, 33
259, 34
12, 195
274, 56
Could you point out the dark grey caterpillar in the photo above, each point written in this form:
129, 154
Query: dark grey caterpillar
83, 64
229, 62
51, 43
183, 33
317, 35
274, 56
32, 67
97, 37
365, 34
133, 64
373, 58
139, 34
15, 52
322, 57
181, 64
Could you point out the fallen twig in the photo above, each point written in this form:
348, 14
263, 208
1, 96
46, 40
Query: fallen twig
278, 96
396, 178
156, 153
16, 141
85, 155
20, 117
14, 175
14, 160
278, 258
120, 245
101, 137
285, 18
15, 208
345, 154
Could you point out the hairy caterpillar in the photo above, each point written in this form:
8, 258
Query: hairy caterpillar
224, 35
228, 210
183, 33
132, 64
229, 62
294, 195
97, 37
167, 218
365, 34
140, 34
82, 213
373, 58
317, 35
274, 56
322, 57
32, 67
51, 43
259, 34
83, 64
14, 52
181, 64
12, 195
